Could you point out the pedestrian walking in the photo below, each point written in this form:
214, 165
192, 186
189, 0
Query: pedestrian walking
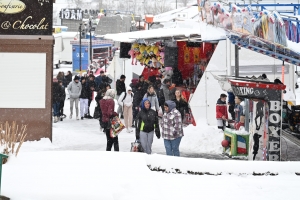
181, 104
100, 95
57, 97
74, 89
172, 131
107, 105
125, 101
152, 97
146, 125
120, 87
84, 98
62, 101
221, 111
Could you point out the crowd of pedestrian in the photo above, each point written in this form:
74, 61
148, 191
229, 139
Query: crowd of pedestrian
138, 104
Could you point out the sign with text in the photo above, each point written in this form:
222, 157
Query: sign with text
266, 112
26, 17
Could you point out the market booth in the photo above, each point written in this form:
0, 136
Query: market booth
26, 49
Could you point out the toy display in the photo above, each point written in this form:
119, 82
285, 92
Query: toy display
150, 56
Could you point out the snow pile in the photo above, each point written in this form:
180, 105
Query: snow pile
202, 139
98, 175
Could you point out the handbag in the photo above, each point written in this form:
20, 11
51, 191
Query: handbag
189, 119
116, 126
136, 146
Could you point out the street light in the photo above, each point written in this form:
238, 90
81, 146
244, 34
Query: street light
80, 32
90, 30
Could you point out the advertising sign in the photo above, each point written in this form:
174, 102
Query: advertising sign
26, 17
267, 116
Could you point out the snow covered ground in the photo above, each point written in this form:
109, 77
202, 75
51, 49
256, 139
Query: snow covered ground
76, 166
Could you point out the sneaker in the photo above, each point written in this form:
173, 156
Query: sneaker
81, 118
70, 116
128, 130
77, 117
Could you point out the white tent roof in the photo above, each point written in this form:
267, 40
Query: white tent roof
184, 29
152, 34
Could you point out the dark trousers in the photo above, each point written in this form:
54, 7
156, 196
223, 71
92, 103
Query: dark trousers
61, 108
89, 103
111, 141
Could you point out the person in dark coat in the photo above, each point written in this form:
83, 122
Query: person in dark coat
91, 87
84, 98
231, 104
146, 125
135, 104
181, 104
68, 78
107, 105
62, 102
221, 111
57, 98
120, 87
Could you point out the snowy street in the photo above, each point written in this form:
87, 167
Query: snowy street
76, 166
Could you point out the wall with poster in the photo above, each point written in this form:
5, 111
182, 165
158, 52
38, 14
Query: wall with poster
27, 49
266, 122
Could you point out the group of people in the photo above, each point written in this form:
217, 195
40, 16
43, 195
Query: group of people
235, 108
139, 104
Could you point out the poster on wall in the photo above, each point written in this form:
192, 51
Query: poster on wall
26, 17
266, 120
258, 131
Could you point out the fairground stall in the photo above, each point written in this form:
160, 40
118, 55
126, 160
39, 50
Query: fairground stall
263, 32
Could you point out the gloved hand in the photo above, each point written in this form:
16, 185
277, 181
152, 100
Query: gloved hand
137, 135
157, 133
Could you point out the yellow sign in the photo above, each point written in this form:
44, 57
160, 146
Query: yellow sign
11, 6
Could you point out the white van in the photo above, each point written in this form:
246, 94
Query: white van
66, 54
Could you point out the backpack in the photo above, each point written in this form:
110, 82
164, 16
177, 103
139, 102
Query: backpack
126, 95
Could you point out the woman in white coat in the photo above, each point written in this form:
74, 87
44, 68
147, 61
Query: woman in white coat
125, 101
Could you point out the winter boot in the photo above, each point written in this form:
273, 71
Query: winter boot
55, 119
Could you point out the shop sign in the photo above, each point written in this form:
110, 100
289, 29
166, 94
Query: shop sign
73, 14
26, 17
272, 94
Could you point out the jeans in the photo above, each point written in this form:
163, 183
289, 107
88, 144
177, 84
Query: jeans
56, 107
146, 140
172, 146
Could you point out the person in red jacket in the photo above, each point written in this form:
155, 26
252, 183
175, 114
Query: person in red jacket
107, 105
221, 111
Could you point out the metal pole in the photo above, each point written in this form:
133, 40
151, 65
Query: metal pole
80, 32
237, 70
91, 56
176, 4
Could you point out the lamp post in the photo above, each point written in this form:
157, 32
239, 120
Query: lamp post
80, 32
90, 30
176, 4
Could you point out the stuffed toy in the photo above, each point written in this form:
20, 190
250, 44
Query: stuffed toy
167, 73
134, 52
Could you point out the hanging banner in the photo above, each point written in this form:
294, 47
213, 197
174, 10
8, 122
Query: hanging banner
26, 17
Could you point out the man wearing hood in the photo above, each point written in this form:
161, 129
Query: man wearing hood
74, 89
146, 125
107, 105
125, 101
172, 131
